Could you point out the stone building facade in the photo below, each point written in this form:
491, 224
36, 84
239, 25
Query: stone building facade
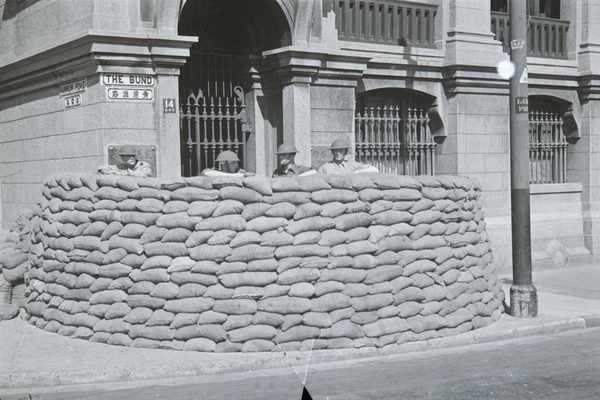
413, 86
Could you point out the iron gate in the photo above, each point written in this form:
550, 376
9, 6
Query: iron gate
211, 125
392, 133
213, 114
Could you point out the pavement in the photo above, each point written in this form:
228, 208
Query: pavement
568, 299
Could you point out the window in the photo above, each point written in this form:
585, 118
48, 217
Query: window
392, 132
547, 141
535, 8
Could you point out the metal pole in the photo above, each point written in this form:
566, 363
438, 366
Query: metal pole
523, 295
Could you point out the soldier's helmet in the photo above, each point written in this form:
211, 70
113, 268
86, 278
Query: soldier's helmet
339, 144
127, 150
286, 148
227, 156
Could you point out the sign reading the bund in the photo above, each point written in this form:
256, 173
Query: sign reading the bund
129, 86
127, 80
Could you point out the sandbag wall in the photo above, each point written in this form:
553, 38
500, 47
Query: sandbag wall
231, 264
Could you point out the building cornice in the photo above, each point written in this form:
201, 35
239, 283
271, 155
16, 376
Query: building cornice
92, 53
469, 79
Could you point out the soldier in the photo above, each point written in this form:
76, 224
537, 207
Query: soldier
286, 153
228, 166
129, 165
339, 148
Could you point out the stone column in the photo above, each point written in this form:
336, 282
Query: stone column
296, 82
168, 156
477, 113
296, 119
585, 167
257, 149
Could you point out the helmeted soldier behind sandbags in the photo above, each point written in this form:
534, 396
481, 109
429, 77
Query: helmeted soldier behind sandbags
339, 148
228, 165
129, 165
286, 154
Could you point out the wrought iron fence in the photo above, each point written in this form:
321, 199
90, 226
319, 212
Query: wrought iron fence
210, 125
384, 21
392, 133
546, 37
547, 143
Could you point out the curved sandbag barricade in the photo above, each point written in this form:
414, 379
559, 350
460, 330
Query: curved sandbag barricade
230, 264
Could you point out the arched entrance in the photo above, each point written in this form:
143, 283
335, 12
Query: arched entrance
214, 81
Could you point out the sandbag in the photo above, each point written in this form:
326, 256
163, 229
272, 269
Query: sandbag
244, 238
12, 258
175, 206
339, 181
198, 237
332, 237
16, 275
131, 246
258, 184
151, 205
114, 271
308, 237
147, 193
296, 275
334, 195
134, 217
250, 252
285, 305
202, 182
285, 184
296, 198
231, 222
191, 194
111, 193
317, 223
330, 302
178, 220
226, 207
216, 253
307, 210
276, 239
177, 235
348, 221
242, 195
370, 195
190, 305
332, 210
265, 224
202, 209
312, 183
304, 250
255, 210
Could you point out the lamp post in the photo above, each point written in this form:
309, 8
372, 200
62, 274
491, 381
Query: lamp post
523, 295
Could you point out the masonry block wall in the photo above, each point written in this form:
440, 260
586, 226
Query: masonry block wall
229, 264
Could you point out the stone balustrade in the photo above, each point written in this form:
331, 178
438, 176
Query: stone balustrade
230, 264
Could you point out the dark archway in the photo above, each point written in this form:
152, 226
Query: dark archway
230, 33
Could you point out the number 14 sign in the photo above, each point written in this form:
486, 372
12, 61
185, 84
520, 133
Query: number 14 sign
169, 106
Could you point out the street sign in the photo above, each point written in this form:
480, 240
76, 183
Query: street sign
128, 80
517, 44
138, 94
73, 101
73, 87
522, 104
169, 106
524, 76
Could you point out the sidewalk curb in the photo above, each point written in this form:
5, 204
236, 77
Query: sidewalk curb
488, 334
